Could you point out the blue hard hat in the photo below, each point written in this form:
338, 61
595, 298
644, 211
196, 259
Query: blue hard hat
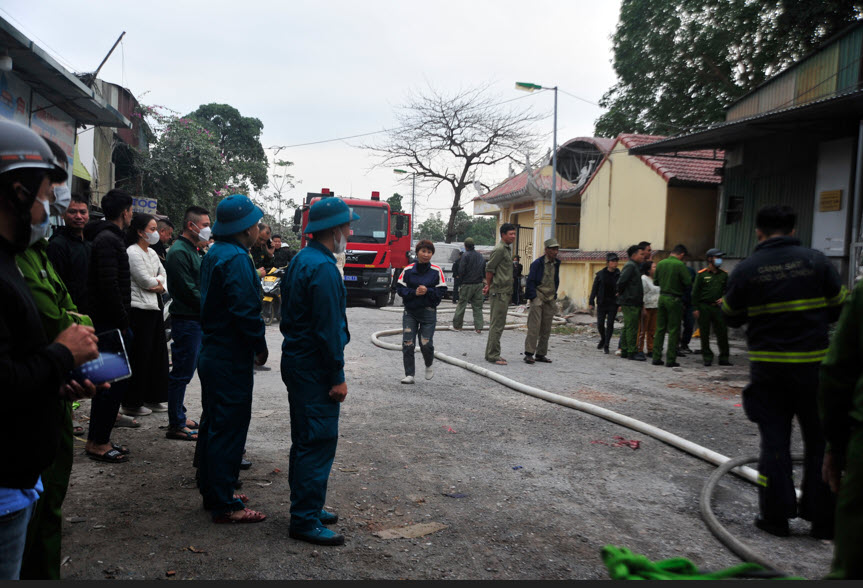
328, 213
235, 214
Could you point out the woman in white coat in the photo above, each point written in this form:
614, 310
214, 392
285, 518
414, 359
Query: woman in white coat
148, 353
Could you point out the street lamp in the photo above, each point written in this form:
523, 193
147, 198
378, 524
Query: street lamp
413, 199
528, 87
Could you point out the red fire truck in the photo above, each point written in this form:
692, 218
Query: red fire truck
378, 247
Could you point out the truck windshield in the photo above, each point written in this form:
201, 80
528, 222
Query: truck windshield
373, 226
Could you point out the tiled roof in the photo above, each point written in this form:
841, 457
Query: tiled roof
684, 169
519, 185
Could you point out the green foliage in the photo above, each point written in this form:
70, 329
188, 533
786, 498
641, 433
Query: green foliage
239, 141
480, 228
433, 229
183, 165
679, 63
395, 202
276, 202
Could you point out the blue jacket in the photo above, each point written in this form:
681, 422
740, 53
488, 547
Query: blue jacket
231, 302
314, 321
422, 274
534, 277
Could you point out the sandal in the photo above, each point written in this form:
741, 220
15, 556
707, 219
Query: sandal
501, 361
110, 456
77, 430
121, 448
126, 421
182, 434
194, 425
249, 516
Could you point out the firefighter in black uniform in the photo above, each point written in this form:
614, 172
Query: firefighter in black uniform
788, 294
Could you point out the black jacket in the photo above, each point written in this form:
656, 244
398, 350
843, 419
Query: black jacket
109, 287
31, 371
788, 294
70, 256
604, 288
471, 268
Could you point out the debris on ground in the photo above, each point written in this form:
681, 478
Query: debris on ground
620, 442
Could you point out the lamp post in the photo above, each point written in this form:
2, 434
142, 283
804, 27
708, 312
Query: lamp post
528, 87
413, 199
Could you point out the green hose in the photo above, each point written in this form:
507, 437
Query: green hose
623, 564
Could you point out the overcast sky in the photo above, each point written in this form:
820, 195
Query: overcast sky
325, 69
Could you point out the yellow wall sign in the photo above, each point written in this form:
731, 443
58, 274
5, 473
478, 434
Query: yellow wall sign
830, 201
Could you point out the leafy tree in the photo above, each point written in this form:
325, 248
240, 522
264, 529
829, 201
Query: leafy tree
183, 165
482, 229
433, 229
395, 202
679, 63
239, 141
447, 139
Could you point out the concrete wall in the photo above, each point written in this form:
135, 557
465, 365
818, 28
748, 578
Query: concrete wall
576, 280
625, 203
691, 219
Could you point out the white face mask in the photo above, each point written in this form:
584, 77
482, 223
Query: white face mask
62, 198
717, 262
41, 231
341, 242
203, 234
153, 238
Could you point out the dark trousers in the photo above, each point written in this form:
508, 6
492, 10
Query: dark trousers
185, 347
149, 359
776, 394
456, 282
42, 548
848, 541
314, 437
419, 321
605, 315
106, 403
516, 291
226, 398
688, 326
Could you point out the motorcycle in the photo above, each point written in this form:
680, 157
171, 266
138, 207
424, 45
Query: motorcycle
271, 285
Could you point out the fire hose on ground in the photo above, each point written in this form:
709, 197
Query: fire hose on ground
725, 464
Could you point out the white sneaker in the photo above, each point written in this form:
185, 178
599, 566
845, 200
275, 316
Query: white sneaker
140, 411
617, 352
157, 406
408, 380
429, 373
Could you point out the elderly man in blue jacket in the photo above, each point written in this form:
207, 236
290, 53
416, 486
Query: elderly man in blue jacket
541, 289
315, 327
233, 343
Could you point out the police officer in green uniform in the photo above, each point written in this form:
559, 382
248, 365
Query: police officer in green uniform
673, 280
498, 286
707, 293
840, 400
630, 298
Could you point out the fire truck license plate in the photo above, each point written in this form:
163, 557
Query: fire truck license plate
350, 278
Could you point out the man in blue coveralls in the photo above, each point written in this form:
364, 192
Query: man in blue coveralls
233, 343
315, 328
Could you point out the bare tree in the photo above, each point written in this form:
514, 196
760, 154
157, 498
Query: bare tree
447, 139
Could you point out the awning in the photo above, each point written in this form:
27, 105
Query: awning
825, 117
78, 169
49, 79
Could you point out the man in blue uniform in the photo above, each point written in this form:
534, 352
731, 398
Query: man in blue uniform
315, 328
233, 343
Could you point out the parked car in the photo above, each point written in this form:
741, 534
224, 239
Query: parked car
444, 256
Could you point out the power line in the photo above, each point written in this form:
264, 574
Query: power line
377, 132
56, 53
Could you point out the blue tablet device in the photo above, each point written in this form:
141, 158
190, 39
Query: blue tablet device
112, 364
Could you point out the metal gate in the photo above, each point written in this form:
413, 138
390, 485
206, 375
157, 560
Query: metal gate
524, 244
